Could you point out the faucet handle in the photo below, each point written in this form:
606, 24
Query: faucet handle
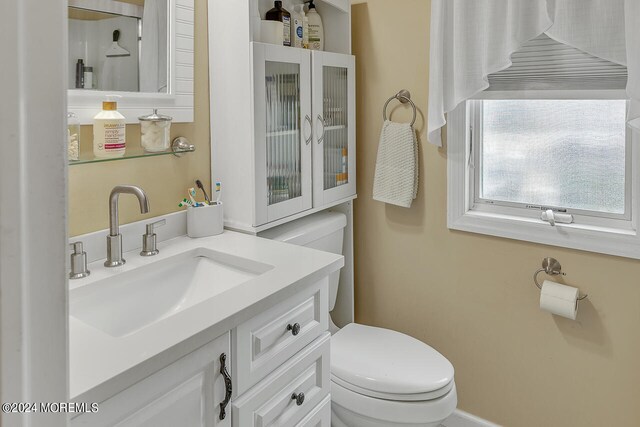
78, 261
149, 239
76, 247
153, 225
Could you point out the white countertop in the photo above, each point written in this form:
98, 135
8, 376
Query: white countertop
97, 359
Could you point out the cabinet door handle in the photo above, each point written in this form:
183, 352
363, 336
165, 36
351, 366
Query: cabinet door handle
321, 137
227, 385
307, 140
299, 398
295, 328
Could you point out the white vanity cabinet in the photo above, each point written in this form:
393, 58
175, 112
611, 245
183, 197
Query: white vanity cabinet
271, 369
265, 342
282, 118
281, 361
190, 392
287, 396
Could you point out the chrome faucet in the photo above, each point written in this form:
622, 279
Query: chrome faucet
114, 239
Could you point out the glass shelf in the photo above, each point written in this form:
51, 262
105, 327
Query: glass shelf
279, 133
130, 153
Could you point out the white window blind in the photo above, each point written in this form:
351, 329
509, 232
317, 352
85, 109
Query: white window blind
546, 64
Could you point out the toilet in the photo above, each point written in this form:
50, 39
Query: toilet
379, 377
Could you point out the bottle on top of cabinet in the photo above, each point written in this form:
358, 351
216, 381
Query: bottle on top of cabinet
305, 29
278, 13
109, 131
297, 29
316, 29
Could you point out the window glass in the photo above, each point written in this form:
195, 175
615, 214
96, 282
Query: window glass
560, 153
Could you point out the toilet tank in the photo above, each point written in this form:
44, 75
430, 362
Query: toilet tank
323, 231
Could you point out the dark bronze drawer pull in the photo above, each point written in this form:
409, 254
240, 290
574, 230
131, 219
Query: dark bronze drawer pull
295, 328
227, 385
299, 398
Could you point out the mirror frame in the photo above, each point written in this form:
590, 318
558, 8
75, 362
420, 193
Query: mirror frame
178, 102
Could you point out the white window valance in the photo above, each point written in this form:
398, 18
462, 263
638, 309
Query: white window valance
547, 64
475, 43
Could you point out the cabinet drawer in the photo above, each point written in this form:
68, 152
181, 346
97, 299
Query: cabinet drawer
320, 416
263, 343
271, 404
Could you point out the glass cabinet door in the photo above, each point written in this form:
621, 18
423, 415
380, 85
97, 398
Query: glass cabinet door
334, 132
283, 131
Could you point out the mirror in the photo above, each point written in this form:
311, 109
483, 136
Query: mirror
119, 45
149, 65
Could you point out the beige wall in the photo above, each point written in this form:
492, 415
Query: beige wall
165, 179
471, 296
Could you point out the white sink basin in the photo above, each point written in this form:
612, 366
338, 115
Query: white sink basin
125, 303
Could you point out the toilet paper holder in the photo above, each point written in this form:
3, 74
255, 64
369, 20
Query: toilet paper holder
552, 267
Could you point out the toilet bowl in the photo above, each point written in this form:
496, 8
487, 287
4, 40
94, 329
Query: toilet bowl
379, 377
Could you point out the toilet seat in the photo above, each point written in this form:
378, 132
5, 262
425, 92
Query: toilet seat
405, 397
389, 365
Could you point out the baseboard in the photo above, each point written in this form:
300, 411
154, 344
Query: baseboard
464, 419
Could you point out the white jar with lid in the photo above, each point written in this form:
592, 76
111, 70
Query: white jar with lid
156, 132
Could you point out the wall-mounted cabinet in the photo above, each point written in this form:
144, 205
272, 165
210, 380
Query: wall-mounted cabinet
282, 118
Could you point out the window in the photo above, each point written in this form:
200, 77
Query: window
544, 154
567, 155
514, 160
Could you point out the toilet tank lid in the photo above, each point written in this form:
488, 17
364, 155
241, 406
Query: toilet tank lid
308, 229
386, 361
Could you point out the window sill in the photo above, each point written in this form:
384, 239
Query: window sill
610, 241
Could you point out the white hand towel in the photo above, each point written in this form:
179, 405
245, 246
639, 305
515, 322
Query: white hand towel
396, 178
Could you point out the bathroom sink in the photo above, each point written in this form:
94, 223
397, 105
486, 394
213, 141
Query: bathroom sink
125, 303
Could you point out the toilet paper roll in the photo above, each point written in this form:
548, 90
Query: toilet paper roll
559, 299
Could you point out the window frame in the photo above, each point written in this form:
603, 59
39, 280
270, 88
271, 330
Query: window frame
612, 234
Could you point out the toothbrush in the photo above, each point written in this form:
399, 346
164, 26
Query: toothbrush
218, 192
200, 186
192, 195
185, 203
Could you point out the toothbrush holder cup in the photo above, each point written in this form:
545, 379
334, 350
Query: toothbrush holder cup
205, 221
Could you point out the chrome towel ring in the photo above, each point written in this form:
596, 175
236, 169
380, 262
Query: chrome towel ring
403, 96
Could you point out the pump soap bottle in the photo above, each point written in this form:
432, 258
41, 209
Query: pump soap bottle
109, 131
316, 29
278, 13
